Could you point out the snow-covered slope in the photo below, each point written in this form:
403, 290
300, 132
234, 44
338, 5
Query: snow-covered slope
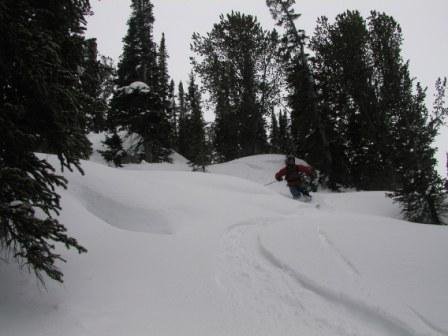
172, 252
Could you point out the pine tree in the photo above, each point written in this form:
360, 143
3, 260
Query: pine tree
97, 78
114, 150
285, 141
379, 130
162, 63
173, 116
421, 191
334, 105
235, 62
90, 79
41, 107
197, 151
225, 126
139, 106
183, 143
108, 76
274, 136
138, 61
164, 78
308, 126
359, 71
344, 72
281, 141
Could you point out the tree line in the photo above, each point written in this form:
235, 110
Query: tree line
343, 100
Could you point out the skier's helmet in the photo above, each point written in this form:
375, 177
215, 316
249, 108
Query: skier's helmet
290, 160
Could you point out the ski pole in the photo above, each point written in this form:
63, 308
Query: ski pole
270, 183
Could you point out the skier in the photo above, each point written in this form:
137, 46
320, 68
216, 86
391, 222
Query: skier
295, 177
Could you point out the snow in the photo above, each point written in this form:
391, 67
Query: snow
175, 252
135, 86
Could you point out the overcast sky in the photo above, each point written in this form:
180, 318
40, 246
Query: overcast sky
424, 25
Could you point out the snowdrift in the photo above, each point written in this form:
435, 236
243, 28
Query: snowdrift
172, 252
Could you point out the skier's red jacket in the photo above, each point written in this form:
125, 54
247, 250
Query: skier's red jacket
293, 174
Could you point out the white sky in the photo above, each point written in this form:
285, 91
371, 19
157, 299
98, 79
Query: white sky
424, 25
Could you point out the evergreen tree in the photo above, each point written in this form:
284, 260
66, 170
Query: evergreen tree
421, 191
334, 105
235, 62
139, 59
93, 108
197, 151
183, 143
97, 79
164, 78
360, 75
343, 55
108, 76
285, 141
225, 127
380, 131
173, 116
41, 106
308, 126
274, 136
281, 141
390, 75
139, 106
114, 152
162, 63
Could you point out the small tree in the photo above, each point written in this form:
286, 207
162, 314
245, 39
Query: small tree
114, 152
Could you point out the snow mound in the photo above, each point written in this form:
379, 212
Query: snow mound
256, 168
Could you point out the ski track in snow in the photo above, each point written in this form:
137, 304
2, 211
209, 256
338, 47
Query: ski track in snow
245, 255
429, 324
340, 256
254, 166
236, 268
360, 310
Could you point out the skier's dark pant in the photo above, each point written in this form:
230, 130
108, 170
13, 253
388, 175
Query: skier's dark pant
298, 191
